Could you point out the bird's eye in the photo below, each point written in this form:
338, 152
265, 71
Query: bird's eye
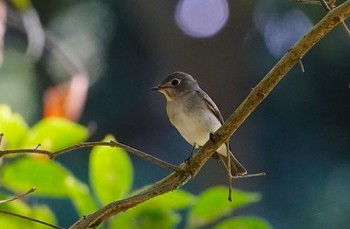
175, 82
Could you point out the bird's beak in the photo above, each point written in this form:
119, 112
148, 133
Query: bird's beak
157, 88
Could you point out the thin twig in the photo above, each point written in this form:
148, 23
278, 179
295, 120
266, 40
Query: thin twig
53, 155
311, 2
148, 157
328, 6
30, 219
346, 28
125, 147
21, 216
229, 175
19, 151
301, 65
250, 175
18, 196
325, 5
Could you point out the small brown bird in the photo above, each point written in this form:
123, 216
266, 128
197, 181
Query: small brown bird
195, 115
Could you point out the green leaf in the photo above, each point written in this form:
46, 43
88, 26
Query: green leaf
111, 173
157, 212
49, 177
246, 222
13, 127
43, 213
80, 195
17, 207
177, 199
55, 133
212, 204
146, 218
40, 212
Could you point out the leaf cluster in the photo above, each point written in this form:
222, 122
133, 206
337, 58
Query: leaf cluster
111, 178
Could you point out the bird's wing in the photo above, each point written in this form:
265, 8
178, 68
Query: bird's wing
211, 105
236, 167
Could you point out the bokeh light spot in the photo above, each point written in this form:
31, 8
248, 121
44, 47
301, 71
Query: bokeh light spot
201, 18
280, 33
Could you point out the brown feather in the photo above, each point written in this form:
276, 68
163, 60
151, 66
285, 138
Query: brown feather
236, 167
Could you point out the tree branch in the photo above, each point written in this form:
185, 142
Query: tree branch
30, 219
257, 95
53, 155
328, 6
22, 216
18, 196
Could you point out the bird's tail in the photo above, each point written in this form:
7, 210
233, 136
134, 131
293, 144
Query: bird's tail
237, 169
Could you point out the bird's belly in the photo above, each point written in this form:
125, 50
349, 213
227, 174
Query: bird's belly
198, 134
195, 127
193, 133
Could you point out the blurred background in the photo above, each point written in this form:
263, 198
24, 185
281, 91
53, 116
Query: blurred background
299, 136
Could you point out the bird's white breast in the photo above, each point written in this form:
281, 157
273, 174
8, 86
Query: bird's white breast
194, 120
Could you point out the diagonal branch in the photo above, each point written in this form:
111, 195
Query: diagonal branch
328, 6
257, 95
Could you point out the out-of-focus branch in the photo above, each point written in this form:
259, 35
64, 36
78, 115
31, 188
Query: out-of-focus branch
18, 196
21, 216
68, 99
257, 95
50, 41
30, 219
35, 33
3, 15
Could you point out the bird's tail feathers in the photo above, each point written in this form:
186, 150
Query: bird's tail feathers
237, 169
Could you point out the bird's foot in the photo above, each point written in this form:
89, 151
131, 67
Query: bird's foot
213, 137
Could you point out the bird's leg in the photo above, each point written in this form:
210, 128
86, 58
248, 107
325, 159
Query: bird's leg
193, 147
213, 137
187, 161
189, 157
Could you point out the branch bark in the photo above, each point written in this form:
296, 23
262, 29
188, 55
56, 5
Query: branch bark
257, 95
53, 155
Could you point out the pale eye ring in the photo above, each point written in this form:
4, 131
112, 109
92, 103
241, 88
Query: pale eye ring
175, 82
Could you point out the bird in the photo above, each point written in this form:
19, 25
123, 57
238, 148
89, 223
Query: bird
195, 115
